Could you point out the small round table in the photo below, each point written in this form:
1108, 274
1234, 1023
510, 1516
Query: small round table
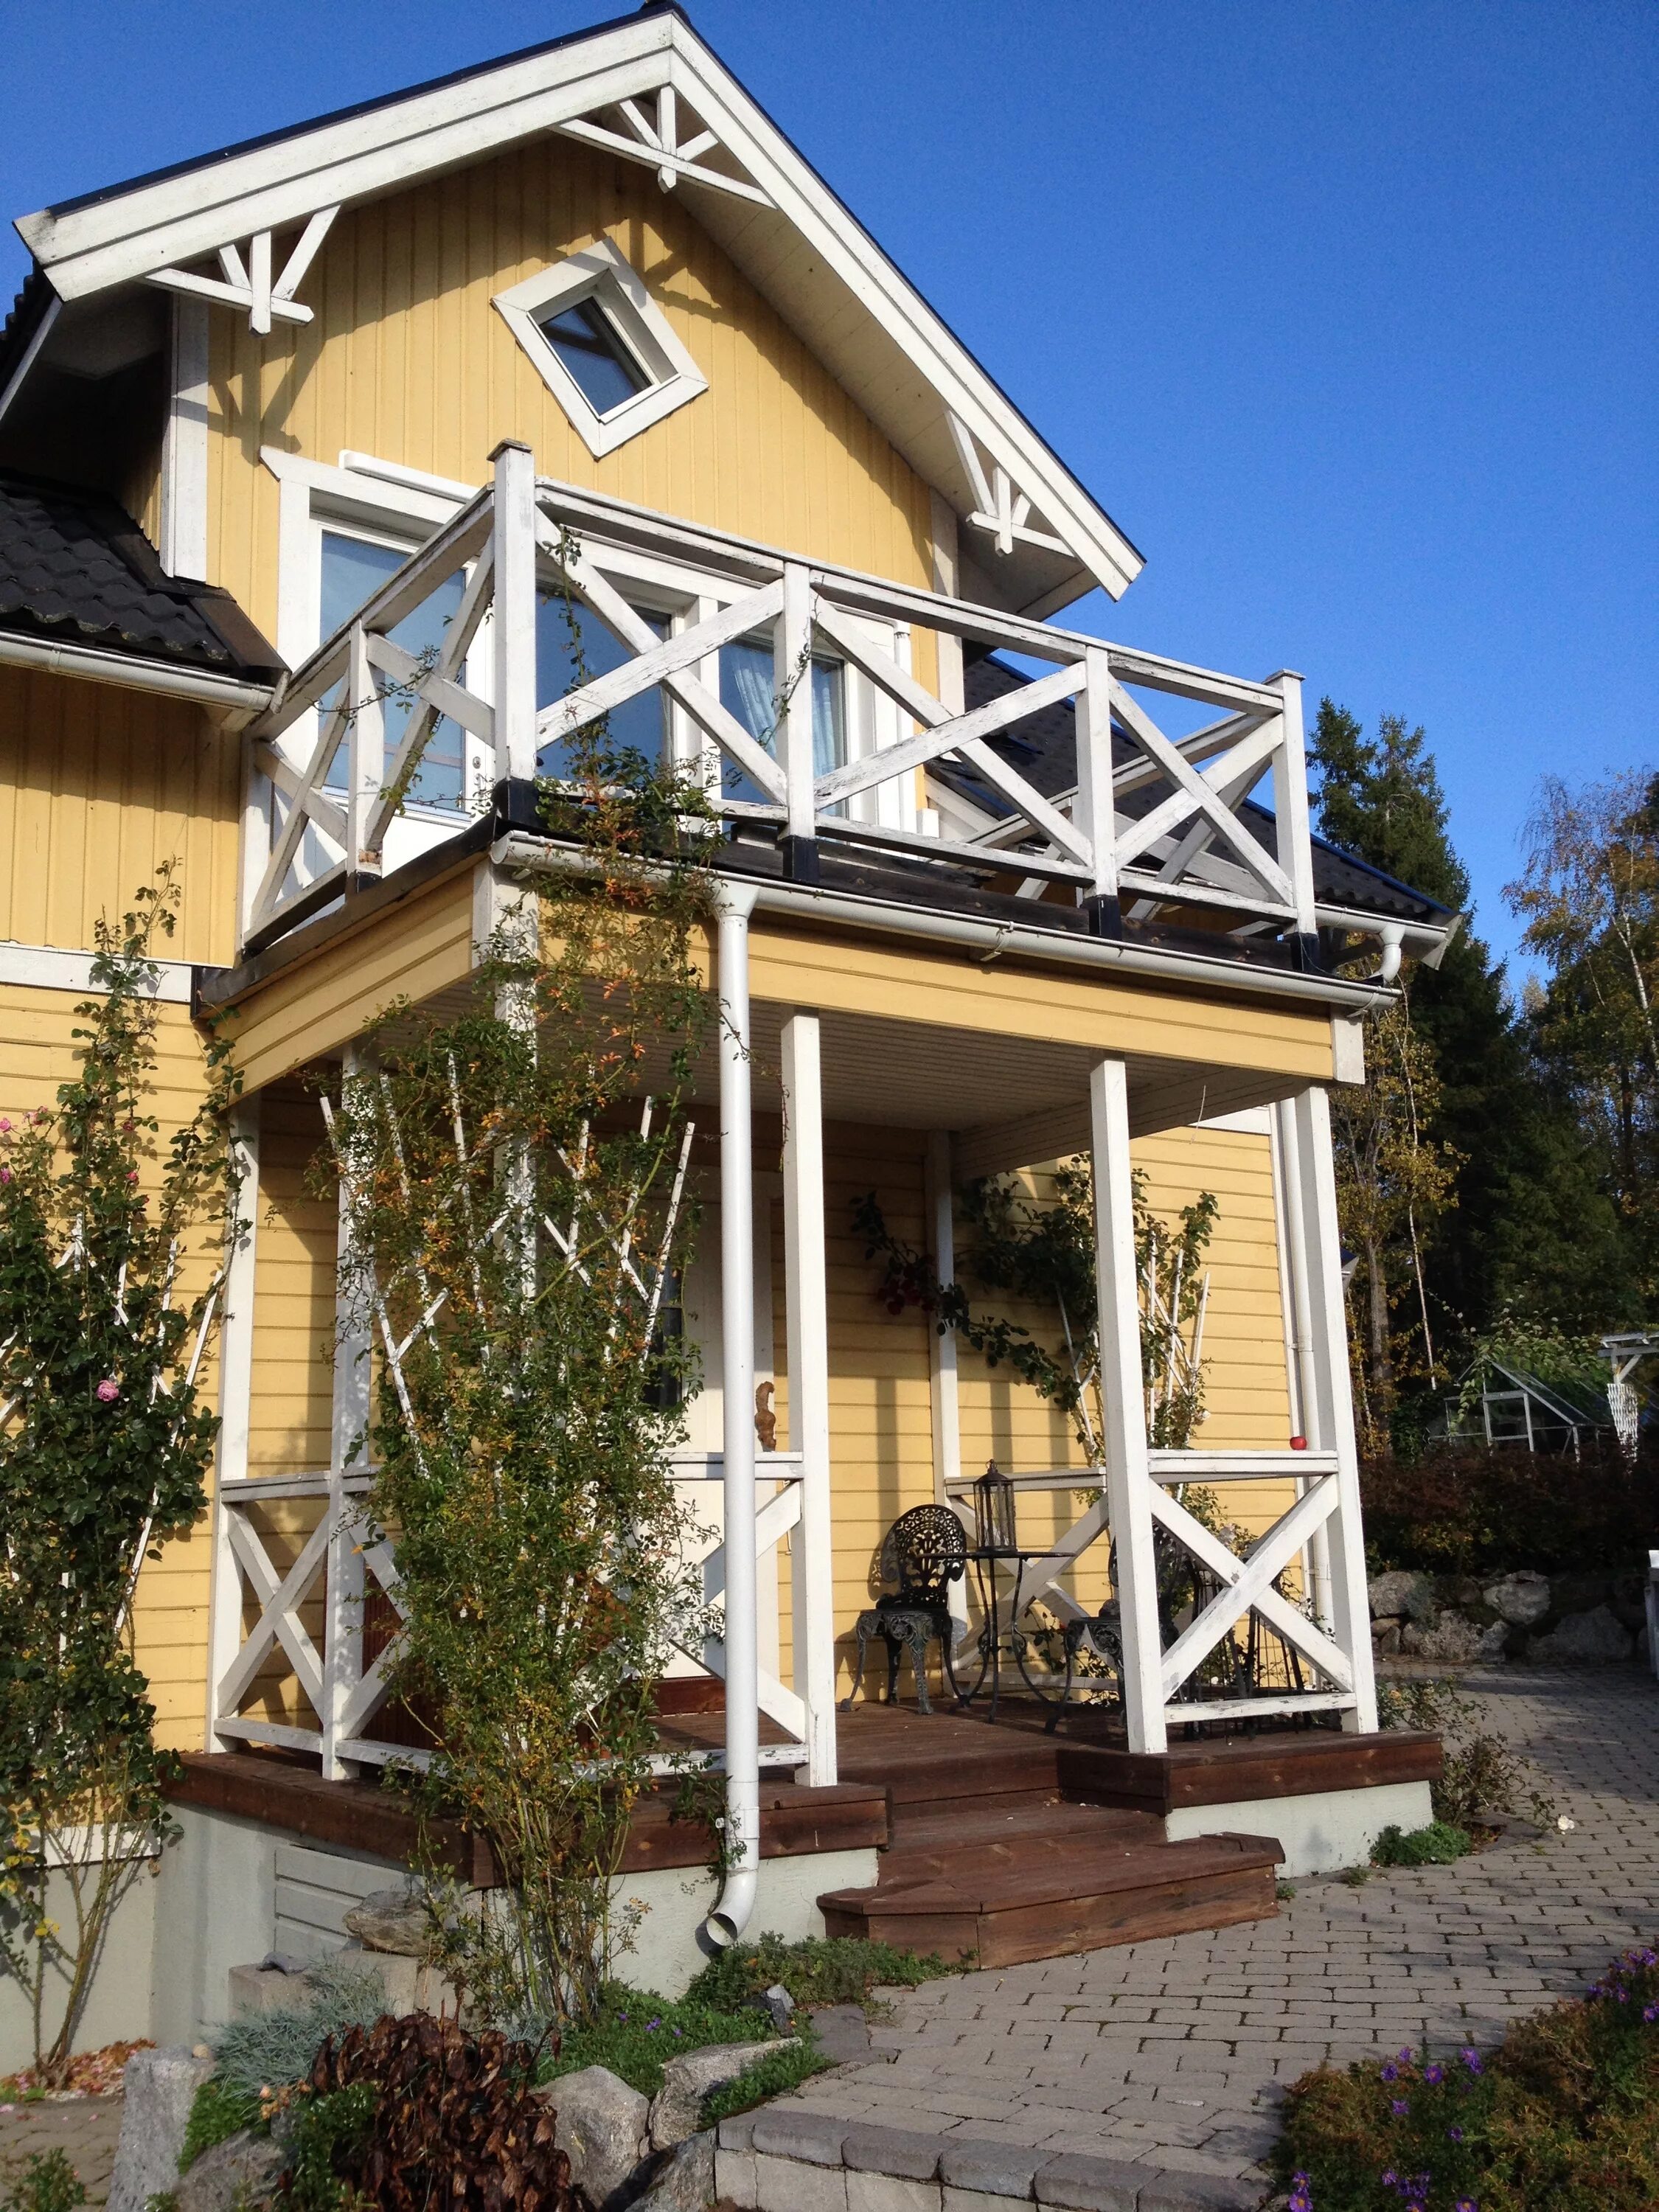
985, 1559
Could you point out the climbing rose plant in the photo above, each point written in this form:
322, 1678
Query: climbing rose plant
110, 1244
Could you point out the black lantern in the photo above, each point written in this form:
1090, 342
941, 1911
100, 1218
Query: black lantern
994, 1512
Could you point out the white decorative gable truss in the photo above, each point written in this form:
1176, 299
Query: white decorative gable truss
243, 229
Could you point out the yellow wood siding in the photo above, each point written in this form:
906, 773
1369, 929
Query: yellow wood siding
97, 788
408, 359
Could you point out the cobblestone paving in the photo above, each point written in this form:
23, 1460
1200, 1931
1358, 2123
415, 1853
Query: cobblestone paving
87, 2128
1174, 2052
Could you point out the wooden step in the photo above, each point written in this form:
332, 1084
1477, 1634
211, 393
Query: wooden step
1002, 1831
1010, 1905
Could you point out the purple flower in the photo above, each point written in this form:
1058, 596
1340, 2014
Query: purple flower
1650, 2012
1466, 2204
1391, 2072
1405, 2056
1298, 2181
1390, 2177
1434, 2075
1299, 2201
1471, 2058
1454, 2135
1399, 2108
651, 2025
108, 1390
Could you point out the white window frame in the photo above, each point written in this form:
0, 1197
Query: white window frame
602, 274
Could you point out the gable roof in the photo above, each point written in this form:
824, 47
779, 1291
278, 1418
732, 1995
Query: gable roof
75, 568
751, 189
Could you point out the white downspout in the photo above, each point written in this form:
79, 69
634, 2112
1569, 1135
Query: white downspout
729, 1918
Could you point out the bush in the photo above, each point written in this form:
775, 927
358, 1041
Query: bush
1482, 1772
1438, 1844
1485, 1513
635, 2032
265, 2051
218, 2113
48, 2183
1563, 2117
416, 2113
768, 2077
821, 1970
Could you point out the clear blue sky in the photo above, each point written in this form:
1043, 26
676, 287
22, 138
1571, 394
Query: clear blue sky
1348, 313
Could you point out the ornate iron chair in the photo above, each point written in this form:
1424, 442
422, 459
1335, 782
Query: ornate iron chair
922, 1553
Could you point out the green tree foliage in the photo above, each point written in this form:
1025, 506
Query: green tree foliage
105, 1441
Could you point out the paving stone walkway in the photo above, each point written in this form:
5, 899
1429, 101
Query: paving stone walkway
1174, 2052
85, 2128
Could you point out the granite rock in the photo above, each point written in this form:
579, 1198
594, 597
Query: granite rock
160, 2088
1584, 1638
602, 2126
241, 2172
1522, 1598
684, 2180
1402, 1594
676, 2108
392, 1920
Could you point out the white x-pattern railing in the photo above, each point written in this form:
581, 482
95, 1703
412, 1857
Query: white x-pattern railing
1145, 824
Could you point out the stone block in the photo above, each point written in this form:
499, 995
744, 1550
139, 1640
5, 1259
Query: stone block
842, 2032
790, 2131
734, 2177
601, 2125
242, 2171
738, 2133
677, 2107
160, 2088
970, 2200
891, 2192
906, 2152
266, 1989
1075, 2182
784, 2184
999, 2170
392, 1920
684, 2180
1170, 2192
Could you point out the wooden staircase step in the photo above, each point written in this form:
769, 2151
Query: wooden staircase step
1008, 1907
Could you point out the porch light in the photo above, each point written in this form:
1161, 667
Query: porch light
993, 1511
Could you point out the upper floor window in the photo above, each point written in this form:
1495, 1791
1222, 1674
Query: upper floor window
571, 648
353, 570
602, 346
747, 682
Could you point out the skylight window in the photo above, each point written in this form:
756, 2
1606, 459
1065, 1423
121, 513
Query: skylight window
602, 346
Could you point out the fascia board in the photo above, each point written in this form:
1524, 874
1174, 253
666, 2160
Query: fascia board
801, 197
88, 249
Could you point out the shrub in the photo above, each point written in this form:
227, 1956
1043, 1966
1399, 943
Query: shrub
218, 2113
48, 2183
416, 2113
1563, 2117
635, 2032
265, 2051
821, 1970
1484, 1513
768, 2077
1438, 1844
1483, 1774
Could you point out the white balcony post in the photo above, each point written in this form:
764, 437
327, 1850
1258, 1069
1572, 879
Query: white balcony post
365, 754
512, 546
947, 1402
1294, 850
1123, 1406
730, 1916
792, 688
1329, 1398
235, 1407
808, 1324
342, 1621
1096, 813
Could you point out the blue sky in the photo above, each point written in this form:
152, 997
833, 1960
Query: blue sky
1348, 313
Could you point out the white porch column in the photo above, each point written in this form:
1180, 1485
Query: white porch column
1298, 1330
1123, 1406
808, 1323
343, 1616
513, 614
738, 1416
1328, 1397
235, 1405
946, 1405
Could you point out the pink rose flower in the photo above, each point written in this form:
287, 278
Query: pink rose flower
109, 1390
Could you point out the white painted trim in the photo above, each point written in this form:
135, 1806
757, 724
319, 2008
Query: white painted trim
43, 331
602, 273
235, 698
1248, 1121
51, 967
235, 1403
184, 532
806, 1309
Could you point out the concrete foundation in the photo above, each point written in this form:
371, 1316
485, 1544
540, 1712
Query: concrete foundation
1319, 1832
117, 2009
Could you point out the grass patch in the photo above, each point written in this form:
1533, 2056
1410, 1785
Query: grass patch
637, 2032
822, 1970
1562, 2116
220, 2110
1438, 1844
768, 2077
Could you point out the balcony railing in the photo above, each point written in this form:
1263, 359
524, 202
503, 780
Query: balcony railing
1138, 825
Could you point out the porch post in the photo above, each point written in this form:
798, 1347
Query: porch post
236, 1403
513, 613
343, 1619
1123, 1406
942, 1349
808, 1324
737, 1411
1328, 1397
1298, 1330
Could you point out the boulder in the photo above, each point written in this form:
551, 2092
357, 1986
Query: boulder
676, 2108
1451, 1638
160, 2088
1401, 1594
778, 2006
684, 2181
241, 2172
1385, 1639
603, 2127
1583, 1639
1521, 1598
392, 1920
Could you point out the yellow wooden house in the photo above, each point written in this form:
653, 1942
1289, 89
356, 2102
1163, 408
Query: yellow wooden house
995, 892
